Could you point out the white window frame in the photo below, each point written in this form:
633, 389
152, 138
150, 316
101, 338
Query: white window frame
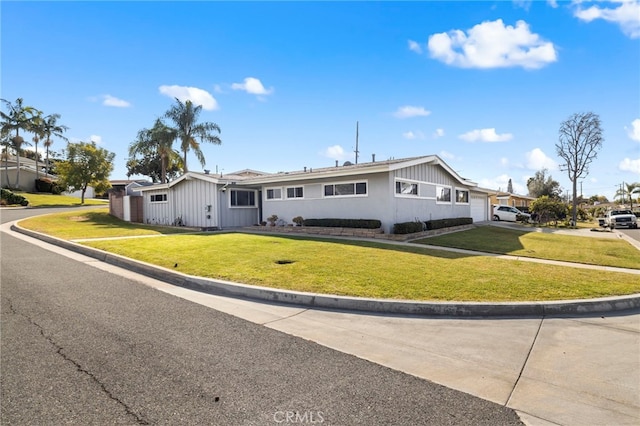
231, 206
439, 188
294, 188
163, 195
266, 192
406, 194
468, 196
354, 183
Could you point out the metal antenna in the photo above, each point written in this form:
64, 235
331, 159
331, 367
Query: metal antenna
356, 151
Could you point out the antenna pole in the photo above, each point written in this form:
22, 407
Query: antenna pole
356, 151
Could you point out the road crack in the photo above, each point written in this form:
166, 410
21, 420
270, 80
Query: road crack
60, 351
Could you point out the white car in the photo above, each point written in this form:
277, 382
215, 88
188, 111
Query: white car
510, 214
620, 218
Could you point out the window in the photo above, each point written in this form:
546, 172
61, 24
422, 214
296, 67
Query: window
345, 189
443, 194
274, 194
243, 198
462, 196
406, 188
158, 198
295, 192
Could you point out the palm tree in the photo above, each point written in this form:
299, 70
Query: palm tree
17, 117
158, 140
37, 128
185, 118
632, 188
52, 128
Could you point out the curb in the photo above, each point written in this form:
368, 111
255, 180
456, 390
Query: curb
364, 305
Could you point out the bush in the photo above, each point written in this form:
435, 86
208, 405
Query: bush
447, 223
48, 185
344, 223
298, 220
408, 227
12, 199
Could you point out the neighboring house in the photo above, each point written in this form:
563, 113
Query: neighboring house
394, 191
9, 171
506, 199
128, 187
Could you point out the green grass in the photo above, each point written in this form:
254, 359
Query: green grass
50, 200
92, 223
368, 269
540, 245
360, 268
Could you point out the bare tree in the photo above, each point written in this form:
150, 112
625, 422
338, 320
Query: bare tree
579, 140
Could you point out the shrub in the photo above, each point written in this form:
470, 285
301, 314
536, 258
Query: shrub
447, 223
298, 220
344, 223
272, 219
12, 199
408, 227
48, 185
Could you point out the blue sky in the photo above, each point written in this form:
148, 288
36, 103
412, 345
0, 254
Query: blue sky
483, 84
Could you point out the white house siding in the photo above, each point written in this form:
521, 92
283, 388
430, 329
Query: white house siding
191, 199
423, 206
314, 205
157, 213
232, 217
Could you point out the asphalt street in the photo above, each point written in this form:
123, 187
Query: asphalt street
80, 345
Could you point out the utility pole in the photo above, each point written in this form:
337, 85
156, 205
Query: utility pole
356, 151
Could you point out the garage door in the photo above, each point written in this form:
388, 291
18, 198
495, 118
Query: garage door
479, 205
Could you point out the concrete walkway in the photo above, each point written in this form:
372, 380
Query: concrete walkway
568, 370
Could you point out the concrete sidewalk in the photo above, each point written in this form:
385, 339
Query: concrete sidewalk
569, 370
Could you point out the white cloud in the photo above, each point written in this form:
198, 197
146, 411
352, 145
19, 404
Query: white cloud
538, 160
193, 94
413, 135
112, 101
629, 165
626, 15
502, 183
336, 152
504, 162
492, 45
438, 133
485, 135
634, 130
415, 46
252, 86
447, 155
552, 3
411, 111
95, 138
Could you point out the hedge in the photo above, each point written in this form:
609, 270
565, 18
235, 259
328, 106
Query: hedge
12, 199
447, 223
48, 185
408, 227
344, 223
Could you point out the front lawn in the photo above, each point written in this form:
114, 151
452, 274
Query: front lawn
37, 199
540, 245
362, 268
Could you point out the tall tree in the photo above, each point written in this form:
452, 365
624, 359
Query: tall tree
185, 119
86, 165
52, 128
156, 141
18, 117
510, 187
541, 184
37, 128
579, 140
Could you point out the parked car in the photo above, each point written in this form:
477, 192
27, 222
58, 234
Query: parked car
620, 218
510, 214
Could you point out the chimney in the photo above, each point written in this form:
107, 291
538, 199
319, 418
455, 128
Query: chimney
336, 163
206, 172
373, 158
305, 169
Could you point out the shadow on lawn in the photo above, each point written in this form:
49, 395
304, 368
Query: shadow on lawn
489, 239
106, 221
